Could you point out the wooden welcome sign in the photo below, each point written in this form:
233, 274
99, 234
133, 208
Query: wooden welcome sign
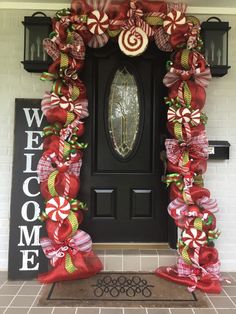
25, 256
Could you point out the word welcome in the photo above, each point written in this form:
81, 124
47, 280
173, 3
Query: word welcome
29, 233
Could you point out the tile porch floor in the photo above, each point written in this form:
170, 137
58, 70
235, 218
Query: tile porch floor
20, 297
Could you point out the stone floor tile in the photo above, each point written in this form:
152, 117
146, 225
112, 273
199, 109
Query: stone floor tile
36, 301
113, 263
231, 291
111, 311
5, 300
181, 311
221, 302
29, 290
148, 252
134, 311
64, 310
3, 275
44, 310
232, 274
99, 252
158, 311
17, 310
221, 294
131, 263
32, 283
9, 290
205, 311
226, 311
23, 301
149, 263
167, 260
14, 283
102, 259
131, 252
233, 299
82, 310
114, 252
166, 252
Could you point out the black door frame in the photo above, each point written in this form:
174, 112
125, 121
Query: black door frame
171, 227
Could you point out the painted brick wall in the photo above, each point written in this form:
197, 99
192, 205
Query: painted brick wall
221, 110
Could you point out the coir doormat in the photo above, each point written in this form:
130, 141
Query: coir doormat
121, 290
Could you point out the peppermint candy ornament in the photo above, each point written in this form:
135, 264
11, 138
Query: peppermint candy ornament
97, 22
172, 20
184, 115
133, 41
57, 208
194, 238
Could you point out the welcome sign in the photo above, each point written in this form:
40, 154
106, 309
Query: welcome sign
26, 258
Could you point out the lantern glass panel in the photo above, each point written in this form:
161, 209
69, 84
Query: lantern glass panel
34, 35
216, 47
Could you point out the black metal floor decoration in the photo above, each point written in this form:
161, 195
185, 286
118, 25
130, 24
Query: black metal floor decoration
130, 286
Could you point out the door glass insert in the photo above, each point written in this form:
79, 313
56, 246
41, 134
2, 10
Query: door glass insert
123, 112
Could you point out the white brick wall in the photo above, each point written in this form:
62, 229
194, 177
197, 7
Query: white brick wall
14, 83
221, 110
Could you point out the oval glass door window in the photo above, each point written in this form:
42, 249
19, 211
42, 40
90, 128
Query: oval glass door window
123, 113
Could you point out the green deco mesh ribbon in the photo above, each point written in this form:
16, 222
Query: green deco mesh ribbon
69, 266
51, 183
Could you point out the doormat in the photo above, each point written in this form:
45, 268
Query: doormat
121, 290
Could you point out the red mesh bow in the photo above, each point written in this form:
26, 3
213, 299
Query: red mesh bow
202, 78
52, 100
81, 241
195, 147
197, 272
45, 166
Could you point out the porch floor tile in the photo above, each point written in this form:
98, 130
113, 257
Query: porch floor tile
19, 297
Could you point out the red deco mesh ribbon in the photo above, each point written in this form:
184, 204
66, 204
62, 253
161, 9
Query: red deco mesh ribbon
66, 105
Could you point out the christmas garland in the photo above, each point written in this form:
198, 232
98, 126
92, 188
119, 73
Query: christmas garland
132, 24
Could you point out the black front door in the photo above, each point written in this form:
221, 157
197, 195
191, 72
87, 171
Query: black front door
121, 173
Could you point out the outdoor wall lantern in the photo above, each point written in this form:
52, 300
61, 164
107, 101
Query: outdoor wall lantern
215, 37
37, 27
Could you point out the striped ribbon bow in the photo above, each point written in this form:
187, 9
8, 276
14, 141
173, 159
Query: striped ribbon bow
179, 210
45, 166
202, 78
207, 203
135, 19
180, 151
80, 242
197, 272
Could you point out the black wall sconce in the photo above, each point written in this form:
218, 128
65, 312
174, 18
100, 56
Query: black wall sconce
215, 37
37, 27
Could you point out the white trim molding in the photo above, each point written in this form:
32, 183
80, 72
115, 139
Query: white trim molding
33, 6
211, 10
57, 6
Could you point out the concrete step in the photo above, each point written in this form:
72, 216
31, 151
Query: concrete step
131, 258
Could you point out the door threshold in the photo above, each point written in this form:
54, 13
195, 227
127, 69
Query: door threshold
130, 245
